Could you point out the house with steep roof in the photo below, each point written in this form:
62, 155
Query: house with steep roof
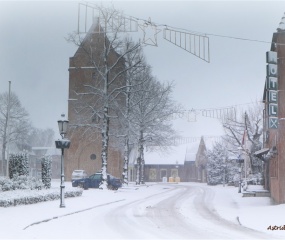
185, 161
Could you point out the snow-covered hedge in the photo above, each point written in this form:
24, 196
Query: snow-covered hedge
24, 197
46, 171
20, 182
19, 164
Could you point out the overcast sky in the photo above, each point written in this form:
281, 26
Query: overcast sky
34, 54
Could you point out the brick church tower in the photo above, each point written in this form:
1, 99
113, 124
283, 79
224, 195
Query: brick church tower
84, 133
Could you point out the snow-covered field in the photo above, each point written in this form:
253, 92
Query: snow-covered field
109, 214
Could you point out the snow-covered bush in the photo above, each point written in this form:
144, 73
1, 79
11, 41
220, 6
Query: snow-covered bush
46, 171
6, 184
20, 182
19, 164
24, 197
35, 183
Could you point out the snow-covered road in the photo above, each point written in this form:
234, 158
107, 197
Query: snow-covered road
157, 211
181, 212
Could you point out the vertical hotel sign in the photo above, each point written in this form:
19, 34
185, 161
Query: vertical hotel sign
272, 87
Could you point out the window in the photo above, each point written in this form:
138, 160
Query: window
152, 174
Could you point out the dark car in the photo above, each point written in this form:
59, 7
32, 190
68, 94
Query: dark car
94, 180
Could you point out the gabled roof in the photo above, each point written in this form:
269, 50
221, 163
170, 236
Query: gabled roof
173, 155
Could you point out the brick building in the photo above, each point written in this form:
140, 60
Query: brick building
86, 144
273, 152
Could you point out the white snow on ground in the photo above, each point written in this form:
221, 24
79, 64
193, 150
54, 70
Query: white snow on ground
253, 212
22, 221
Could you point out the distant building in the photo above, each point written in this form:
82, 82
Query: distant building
35, 160
186, 161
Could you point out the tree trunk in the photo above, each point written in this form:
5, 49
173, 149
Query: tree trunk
138, 170
140, 161
142, 165
126, 161
104, 153
126, 148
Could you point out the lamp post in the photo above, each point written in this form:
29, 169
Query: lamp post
62, 144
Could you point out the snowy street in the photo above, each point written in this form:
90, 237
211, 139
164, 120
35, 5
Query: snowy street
153, 211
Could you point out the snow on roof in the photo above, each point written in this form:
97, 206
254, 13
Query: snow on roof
191, 151
177, 153
174, 155
210, 142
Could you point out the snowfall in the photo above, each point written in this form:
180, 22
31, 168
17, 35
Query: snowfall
149, 211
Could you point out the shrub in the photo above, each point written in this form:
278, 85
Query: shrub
20, 182
46, 171
18, 164
24, 197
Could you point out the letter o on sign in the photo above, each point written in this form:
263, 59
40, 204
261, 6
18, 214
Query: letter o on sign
93, 156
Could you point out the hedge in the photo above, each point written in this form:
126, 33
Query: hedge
24, 197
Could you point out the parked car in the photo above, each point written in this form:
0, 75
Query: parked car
94, 180
78, 174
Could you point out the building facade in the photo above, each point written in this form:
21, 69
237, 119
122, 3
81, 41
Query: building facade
187, 162
273, 152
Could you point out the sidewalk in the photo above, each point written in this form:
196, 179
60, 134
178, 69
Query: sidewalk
257, 213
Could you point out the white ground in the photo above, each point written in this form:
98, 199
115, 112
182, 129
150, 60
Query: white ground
153, 211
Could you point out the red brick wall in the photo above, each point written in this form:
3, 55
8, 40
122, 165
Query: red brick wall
87, 141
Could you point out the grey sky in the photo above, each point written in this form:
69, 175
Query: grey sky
35, 56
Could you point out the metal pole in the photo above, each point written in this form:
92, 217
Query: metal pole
239, 189
245, 158
8, 126
62, 204
224, 175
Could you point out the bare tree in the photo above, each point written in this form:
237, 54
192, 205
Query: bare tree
13, 122
151, 108
41, 137
249, 123
135, 63
105, 50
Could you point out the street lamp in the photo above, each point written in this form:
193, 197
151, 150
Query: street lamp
62, 144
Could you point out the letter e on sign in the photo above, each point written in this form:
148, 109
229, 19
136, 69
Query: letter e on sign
272, 96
